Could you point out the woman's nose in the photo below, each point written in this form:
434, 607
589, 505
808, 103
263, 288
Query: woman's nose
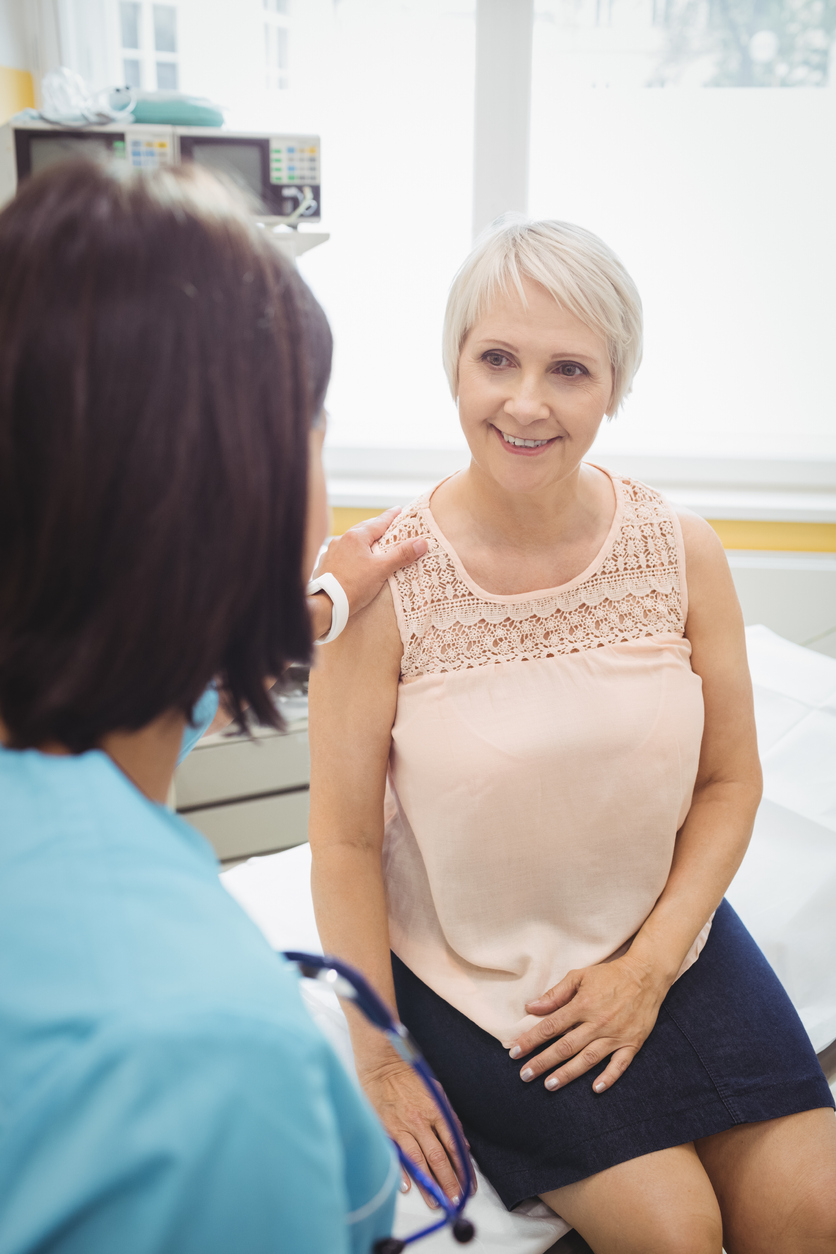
527, 404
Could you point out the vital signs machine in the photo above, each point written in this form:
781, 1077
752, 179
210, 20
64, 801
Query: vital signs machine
281, 172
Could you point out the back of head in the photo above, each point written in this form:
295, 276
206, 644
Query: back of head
156, 390
577, 268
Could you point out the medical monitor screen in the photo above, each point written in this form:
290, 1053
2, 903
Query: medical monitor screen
242, 162
46, 150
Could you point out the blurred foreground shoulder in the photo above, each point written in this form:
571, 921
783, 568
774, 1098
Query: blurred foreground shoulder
197, 1132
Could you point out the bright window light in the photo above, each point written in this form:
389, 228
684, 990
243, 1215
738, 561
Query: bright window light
165, 28
132, 72
167, 78
129, 24
697, 147
389, 88
721, 202
276, 46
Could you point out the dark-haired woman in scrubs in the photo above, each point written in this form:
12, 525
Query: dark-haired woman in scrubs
162, 1089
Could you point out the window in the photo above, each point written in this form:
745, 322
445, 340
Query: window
744, 44
129, 24
149, 45
389, 87
165, 28
167, 75
688, 43
719, 199
132, 71
275, 43
693, 135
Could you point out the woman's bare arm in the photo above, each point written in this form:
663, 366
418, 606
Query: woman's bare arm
611, 1008
716, 833
353, 697
353, 700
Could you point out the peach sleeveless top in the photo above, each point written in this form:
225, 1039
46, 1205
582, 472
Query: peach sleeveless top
544, 754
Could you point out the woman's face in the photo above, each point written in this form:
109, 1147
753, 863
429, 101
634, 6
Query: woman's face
318, 519
532, 373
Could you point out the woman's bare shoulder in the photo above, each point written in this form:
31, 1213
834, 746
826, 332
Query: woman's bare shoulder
713, 607
703, 547
365, 658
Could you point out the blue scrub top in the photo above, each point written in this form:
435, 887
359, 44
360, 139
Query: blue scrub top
162, 1087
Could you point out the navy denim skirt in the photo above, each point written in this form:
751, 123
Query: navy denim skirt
727, 1048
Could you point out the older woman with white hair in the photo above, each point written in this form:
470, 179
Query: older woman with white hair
535, 773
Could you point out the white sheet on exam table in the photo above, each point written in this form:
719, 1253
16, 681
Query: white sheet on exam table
785, 892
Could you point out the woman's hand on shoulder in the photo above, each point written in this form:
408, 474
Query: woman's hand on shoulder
360, 570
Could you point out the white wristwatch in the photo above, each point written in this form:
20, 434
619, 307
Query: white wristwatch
330, 585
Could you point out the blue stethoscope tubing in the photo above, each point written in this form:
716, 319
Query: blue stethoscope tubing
349, 984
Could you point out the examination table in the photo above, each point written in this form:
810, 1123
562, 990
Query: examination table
785, 892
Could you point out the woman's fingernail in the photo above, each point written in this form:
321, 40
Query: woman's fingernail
599, 1087
456, 1199
552, 1082
515, 1052
404, 1187
419, 548
527, 1074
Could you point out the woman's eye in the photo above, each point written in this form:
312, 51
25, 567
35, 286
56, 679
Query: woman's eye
570, 369
495, 359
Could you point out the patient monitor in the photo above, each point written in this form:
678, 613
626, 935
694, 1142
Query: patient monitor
281, 173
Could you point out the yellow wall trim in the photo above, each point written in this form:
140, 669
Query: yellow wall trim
790, 537
17, 91
345, 516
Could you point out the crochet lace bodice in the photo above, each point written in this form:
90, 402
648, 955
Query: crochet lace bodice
633, 589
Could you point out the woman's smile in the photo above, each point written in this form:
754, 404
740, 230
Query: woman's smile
523, 446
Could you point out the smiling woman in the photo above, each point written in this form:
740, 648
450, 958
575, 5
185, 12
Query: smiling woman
534, 763
584, 278
533, 382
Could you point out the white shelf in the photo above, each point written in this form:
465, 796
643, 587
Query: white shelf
295, 243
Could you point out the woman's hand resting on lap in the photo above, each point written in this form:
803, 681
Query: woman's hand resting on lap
411, 1118
608, 1009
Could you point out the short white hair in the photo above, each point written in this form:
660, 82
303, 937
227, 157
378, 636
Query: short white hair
577, 268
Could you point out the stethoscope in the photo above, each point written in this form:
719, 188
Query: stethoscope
352, 986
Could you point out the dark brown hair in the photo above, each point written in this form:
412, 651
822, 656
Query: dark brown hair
160, 364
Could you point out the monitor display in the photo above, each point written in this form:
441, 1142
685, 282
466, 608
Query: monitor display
45, 150
242, 162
